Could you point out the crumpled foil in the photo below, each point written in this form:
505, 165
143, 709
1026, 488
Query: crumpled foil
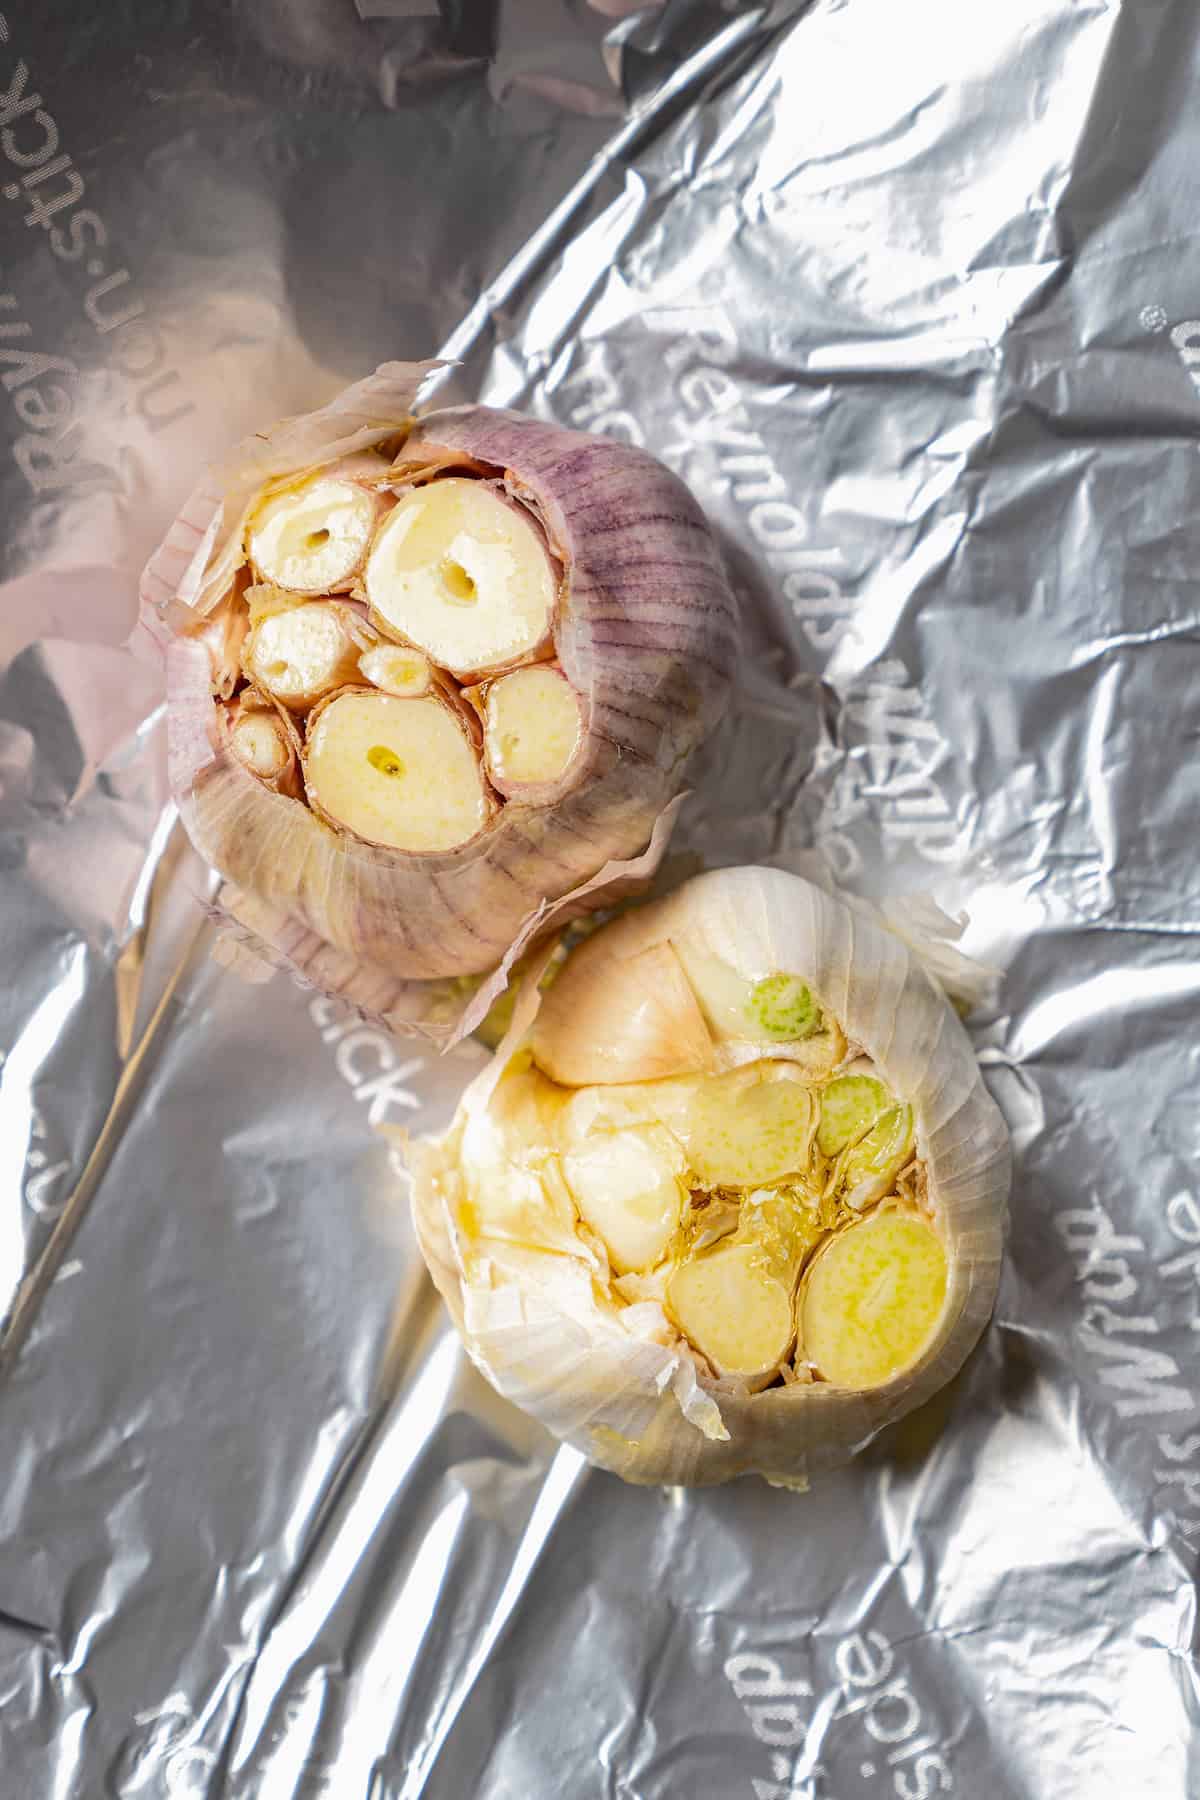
909, 294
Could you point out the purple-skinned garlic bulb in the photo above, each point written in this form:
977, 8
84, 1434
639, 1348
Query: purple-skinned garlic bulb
432, 686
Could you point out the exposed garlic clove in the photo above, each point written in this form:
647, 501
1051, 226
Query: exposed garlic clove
868, 1169
850, 1105
873, 1298
263, 740
259, 743
397, 773
731, 1306
748, 1128
749, 1013
628, 1188
299, 654
464, 573
394, 669
635, 1022
312, 537
533, 729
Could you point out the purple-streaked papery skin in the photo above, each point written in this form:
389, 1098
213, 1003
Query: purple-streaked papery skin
645, 631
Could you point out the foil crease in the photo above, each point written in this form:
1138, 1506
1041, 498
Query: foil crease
906, 294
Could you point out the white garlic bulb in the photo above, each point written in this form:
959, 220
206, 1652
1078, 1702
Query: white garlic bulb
756, 1219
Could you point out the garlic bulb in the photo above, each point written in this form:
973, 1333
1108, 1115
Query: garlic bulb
733, 1200
496, 641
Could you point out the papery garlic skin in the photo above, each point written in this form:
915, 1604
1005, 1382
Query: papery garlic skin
625, 1362
614, 579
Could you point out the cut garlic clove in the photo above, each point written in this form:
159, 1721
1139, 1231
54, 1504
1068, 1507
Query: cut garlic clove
775, 1009
737, 1019
532, 731
299, 654
748, 1014
312, 537
628, 1188
396, 670
259, 744
264, 741
850, 1105
872, 1300
634, 1022
748, 1128
869, 1167
464, 573
398, 773
731, 1306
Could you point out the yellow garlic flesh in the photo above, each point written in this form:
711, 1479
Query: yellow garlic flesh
396, 670
259, 743
532, 727
301, 654
463, 574
629, 1189
401, 773
312, 538
873, 1299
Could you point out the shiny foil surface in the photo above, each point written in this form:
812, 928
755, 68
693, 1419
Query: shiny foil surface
910, 294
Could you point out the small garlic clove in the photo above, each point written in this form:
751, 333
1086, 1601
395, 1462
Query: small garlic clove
312, 537
299, 654
868, 1168
463, 572
533, 729
850, 1105
263, 740
395, 669
872, 1299
259, 744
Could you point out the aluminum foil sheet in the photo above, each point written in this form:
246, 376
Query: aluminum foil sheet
911, 295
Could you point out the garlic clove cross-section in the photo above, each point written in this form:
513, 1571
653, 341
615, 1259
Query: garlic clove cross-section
532, 730
731, 1306
396, 670
628, 1188
873, 1298
312, 538
301, 654
400, 773
463, 573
